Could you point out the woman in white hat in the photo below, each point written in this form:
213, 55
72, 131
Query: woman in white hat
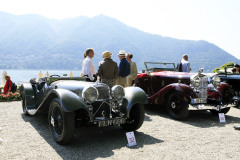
108, 69
8, 84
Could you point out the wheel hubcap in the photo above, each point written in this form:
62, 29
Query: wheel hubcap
173, 105
56, 121
52, 121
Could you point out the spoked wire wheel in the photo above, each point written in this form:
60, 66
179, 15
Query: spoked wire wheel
177, 107
57, 121
61, 123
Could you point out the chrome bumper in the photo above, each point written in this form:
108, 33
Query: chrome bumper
207, 107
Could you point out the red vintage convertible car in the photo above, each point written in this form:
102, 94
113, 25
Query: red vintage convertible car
180, 92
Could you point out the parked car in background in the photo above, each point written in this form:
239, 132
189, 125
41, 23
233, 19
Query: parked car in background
180, 92
72, 102
233, 79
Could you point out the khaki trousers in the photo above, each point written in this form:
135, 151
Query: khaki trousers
129, 81
121, 81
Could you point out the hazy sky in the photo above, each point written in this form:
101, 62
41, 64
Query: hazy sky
216, 21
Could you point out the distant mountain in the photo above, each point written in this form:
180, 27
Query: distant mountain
36, 42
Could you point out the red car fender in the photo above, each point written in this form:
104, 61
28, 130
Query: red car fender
225, 92
222, 86
182, 90
213, 94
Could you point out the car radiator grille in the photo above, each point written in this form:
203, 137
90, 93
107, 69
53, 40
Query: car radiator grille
103, 91
202, 89
101, 109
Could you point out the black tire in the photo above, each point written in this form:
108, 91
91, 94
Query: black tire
177, 107
61, 124
227, 95
136, 118
237, 104
25, 112
224, 110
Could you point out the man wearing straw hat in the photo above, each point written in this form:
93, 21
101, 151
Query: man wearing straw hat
124, 69
108, 69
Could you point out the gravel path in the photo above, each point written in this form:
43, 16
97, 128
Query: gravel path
201, 136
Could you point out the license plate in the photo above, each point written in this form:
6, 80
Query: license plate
198, 100
111, 122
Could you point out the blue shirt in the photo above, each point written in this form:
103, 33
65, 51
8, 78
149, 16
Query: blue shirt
124, 68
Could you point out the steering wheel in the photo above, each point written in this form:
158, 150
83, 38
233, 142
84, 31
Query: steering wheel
55, 75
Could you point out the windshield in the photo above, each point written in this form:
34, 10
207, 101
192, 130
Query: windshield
157, 66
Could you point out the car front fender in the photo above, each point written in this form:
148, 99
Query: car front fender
183, 90
69, 100
226, 92
134, 95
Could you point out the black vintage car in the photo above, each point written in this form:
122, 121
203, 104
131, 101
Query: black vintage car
234, 80
180, 92
72, 102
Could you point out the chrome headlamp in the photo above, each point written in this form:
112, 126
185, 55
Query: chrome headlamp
195, 81
90, 94
216, 81
118, 92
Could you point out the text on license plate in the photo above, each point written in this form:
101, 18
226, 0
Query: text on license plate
111, 122
198, 100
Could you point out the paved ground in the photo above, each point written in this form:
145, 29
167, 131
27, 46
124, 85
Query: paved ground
201, 136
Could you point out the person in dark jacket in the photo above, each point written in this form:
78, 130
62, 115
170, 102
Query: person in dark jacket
124, 69
108, 70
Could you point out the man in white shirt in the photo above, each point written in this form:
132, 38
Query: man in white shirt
88, 69
185, 64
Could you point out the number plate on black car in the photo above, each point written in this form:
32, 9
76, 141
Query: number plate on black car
111, 122
198, 100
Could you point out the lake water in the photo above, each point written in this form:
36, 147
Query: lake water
20, 76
